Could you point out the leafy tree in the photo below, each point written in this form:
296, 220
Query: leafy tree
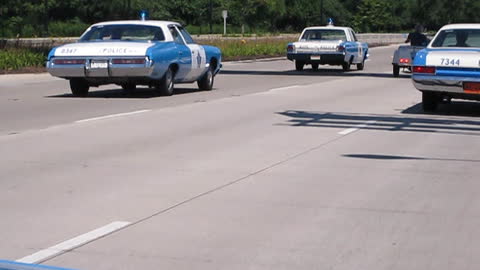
372, 15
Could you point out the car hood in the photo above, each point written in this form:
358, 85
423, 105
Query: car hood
312, 46
104, 49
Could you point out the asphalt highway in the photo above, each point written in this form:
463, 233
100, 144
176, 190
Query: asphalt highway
273, 169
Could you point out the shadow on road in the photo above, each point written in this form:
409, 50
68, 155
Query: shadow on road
455, 108
391, 157
320, 72
118, 93
381, 122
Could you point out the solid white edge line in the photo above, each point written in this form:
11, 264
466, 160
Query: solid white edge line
357, 127
110, 116
73, 243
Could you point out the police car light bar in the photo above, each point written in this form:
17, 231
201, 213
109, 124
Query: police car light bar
330, 22
143, 15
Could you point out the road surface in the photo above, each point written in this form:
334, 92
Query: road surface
273, 169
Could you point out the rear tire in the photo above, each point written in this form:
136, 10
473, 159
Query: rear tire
79, 87
361, 66
346, 65
206, 82
315, 66
396, 71
165, 85
430, 101
299, 65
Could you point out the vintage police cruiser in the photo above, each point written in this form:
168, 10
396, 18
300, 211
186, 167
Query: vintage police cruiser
450, 66
328, 45
131, 53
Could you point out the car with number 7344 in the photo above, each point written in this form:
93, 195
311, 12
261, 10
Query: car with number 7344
137, 52
450, 66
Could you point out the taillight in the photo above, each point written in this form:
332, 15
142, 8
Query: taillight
290, 48
128, 61
340, 48
471, 87
69, 61
404, 60
424, 70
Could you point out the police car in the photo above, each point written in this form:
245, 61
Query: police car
450, 66
137, 52
328, 45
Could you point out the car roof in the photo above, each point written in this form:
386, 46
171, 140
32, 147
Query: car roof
327, 27
461, 26
139, 22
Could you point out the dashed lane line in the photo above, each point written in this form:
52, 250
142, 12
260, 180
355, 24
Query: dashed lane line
111, 116
73, 243
357, 127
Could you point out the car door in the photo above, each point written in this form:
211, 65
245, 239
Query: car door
198, 56
183, 55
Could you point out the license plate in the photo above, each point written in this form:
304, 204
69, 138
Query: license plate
315, 57
471, 87
98, 64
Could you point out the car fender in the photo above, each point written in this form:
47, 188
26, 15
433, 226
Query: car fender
163, 55
211, 54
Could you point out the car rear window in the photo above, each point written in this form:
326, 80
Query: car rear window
323, 34
123, 33
462, 38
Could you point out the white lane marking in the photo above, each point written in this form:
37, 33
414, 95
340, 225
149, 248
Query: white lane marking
357, 127
111, 116
73, 243
284, 88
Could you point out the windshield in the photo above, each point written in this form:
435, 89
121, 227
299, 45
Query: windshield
323, 34
124, 32
458, 38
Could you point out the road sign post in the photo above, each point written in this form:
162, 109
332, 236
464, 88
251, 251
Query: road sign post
225, 16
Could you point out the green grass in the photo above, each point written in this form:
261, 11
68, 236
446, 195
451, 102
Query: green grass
234, 49
14, 59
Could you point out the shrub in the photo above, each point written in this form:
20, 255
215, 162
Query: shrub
73, 28
13, 59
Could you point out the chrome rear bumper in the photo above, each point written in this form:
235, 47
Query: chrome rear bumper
441, 83
110, 70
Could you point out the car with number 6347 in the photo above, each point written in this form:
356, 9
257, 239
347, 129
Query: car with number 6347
450, 66
138, 52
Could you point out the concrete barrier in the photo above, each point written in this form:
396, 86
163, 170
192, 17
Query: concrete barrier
46, 43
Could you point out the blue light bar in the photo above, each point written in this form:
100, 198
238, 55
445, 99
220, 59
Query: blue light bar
330, 21
143, 15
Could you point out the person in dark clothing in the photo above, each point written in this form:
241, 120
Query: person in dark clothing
417, 38
461, 37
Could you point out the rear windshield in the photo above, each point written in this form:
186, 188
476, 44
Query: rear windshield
123, 33
462, 38
323, 34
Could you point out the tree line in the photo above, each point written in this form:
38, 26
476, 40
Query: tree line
24, 18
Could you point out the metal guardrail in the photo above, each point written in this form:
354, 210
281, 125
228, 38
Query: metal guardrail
45, 43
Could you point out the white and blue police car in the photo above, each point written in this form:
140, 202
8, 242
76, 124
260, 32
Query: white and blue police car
136, 52
450, 66
328, 45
